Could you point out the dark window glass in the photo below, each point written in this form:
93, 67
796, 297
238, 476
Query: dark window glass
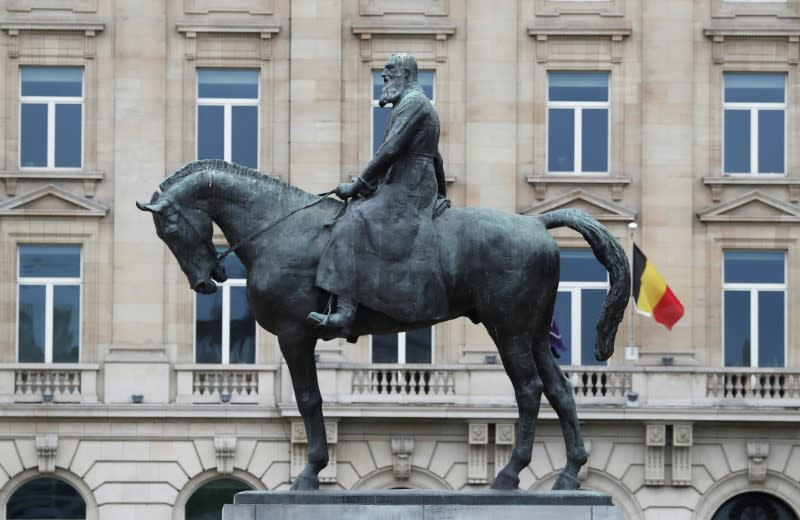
377, 84
580, 265
578, 86
737, 328
562, 315
66, 323
771, 329
31, 323
68, 136
210, 132
561, 140
227, 83
771, 141
591, 302
384, 348
380, 118
418, 346
33, 135
244, 135
233, 266
754, 87
425, 80
52, 81
208, 328
206, 503
595, 140
47, 261
243, 328
737, 141
754, 266
46, 498
754, 505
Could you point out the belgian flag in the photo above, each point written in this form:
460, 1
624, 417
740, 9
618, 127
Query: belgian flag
651, 293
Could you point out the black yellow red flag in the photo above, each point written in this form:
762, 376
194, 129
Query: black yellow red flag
651, 293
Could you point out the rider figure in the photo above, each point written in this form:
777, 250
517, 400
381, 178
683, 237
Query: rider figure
379, 254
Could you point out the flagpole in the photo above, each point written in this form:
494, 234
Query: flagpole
632, 313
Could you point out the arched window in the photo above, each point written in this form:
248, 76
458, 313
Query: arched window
754, 505
206, 503
46, 499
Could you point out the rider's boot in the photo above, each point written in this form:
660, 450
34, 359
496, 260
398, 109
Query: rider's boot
342, 319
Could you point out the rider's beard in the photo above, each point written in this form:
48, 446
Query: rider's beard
390, 94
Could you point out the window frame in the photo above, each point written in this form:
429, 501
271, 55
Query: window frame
51, 102
577, 107
50, 283
754, 108
753, 289
227, 114
401, 348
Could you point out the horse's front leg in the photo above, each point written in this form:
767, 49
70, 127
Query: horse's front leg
298, 351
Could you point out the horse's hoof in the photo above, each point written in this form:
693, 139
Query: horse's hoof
505, 481
303, 483
566, 482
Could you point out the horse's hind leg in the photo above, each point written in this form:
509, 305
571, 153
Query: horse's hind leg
558, 391
518, 361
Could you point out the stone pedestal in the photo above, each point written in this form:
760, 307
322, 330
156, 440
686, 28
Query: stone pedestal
419, 504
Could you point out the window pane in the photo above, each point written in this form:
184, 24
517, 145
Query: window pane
380, 118
46, 498
737, 141
591, 302
206, 503
771, 327
210, 132
243, 328
66, 320
580, 265
595, 140
737, 328
227, 83
578, 86
377, 84
384, 348
561, 140
33, 135
31, 323
244, 135
425, 80
754, 87
563, 316
52, 81
754, 266
233, 266
418, 346
68, 136
208, 328
771, 141
49, 261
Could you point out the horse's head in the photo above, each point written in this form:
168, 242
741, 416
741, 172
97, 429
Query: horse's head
187, 232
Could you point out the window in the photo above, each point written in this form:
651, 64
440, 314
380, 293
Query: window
206, 503
582, 289
754, 300
49, 300
51, 117
754, 119
577, 122
225, 330
414, 346
46, 498
227, 115
380, 116
755, 504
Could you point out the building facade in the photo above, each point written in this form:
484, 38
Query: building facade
123, 394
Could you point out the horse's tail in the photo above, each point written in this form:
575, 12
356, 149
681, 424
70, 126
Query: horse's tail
610, 253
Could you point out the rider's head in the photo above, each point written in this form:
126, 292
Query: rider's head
399, 72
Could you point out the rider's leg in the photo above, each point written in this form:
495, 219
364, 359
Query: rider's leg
343, 318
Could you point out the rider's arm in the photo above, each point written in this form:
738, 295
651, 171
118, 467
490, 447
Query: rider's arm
441, 183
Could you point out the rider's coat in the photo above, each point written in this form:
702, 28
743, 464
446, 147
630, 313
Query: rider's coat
382, 252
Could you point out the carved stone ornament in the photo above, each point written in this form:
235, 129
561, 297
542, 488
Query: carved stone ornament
402, 448
655, 439
225, 449
757, 453
46, 446
477, 467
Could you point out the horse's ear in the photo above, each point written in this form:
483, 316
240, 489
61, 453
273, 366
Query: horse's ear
154, 206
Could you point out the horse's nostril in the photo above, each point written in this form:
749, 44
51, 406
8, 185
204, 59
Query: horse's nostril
205, 287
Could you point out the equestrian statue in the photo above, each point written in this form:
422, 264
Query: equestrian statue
390, 256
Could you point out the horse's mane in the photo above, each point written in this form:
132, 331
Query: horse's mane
230, 168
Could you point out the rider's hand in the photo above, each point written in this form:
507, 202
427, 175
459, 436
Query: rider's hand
346, 190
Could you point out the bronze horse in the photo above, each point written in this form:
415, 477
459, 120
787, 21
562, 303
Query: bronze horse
500, 269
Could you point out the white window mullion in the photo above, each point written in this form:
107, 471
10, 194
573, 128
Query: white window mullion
227, 110
51, 134
226, 324
575, 302
754, 328
48, 323
578, 151
401, 347
754, 141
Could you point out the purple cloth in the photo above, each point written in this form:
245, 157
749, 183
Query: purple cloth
556, 342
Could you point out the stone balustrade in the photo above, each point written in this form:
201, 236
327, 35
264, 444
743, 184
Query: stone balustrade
58, 383
236, 384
